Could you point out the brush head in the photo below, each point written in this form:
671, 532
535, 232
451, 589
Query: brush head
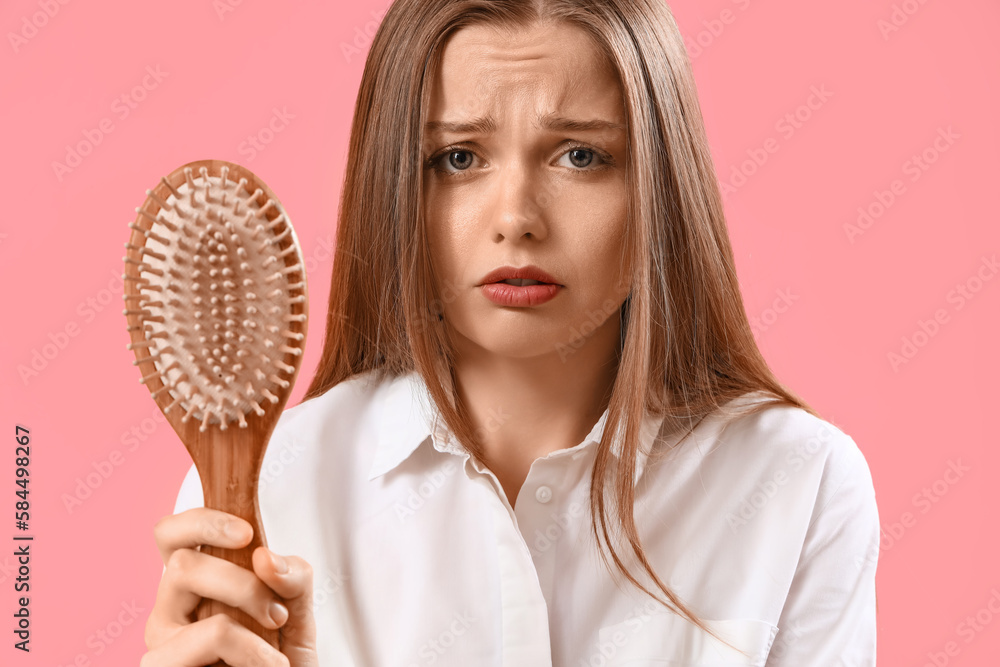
215, 295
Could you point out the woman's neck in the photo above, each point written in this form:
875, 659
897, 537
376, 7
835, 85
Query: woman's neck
525, 408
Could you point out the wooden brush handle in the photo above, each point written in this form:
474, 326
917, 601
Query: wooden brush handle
228, 463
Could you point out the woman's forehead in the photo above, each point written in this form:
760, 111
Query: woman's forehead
543, 70
487, 50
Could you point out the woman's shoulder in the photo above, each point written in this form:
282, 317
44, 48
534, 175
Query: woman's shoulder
788, 430
779, 470
350, 397
779, 442
753, 439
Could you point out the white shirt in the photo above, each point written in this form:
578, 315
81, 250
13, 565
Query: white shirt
767, 529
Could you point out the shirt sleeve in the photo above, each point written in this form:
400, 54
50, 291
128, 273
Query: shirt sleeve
190, 494
829, 615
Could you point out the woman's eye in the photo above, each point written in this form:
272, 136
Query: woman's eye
580, 157
459, 160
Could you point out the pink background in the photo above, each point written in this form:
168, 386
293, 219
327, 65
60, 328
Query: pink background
850, 299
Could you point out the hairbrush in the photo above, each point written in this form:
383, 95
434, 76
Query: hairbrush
216, 303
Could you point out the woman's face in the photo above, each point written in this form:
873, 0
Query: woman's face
537, 177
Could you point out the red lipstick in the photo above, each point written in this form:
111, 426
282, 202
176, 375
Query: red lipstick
519, 287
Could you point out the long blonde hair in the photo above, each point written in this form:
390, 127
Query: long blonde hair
686, 345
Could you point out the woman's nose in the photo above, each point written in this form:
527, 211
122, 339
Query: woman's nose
517, 210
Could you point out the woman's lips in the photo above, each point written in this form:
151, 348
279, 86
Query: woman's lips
529, 272
516, 296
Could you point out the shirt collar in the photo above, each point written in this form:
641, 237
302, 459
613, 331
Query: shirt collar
407, 417
404, 420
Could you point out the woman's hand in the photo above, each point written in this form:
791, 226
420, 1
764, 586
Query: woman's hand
278, 594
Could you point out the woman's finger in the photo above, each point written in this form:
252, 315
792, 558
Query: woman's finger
212, 639
291, 577
192, 575
198, 526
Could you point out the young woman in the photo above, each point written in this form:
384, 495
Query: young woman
541, 432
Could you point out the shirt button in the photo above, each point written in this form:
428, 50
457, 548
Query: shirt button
543, 494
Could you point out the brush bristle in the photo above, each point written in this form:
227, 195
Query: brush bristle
217, 288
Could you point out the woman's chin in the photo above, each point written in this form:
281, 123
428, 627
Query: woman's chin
521, 342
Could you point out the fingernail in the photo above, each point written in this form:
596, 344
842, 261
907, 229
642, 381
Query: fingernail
235, 530
280, 565
277, 612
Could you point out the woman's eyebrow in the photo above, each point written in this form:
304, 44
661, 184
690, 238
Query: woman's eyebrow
487, 125
560, 123
482, 125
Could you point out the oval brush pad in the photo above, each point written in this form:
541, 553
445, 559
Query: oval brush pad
216, 303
